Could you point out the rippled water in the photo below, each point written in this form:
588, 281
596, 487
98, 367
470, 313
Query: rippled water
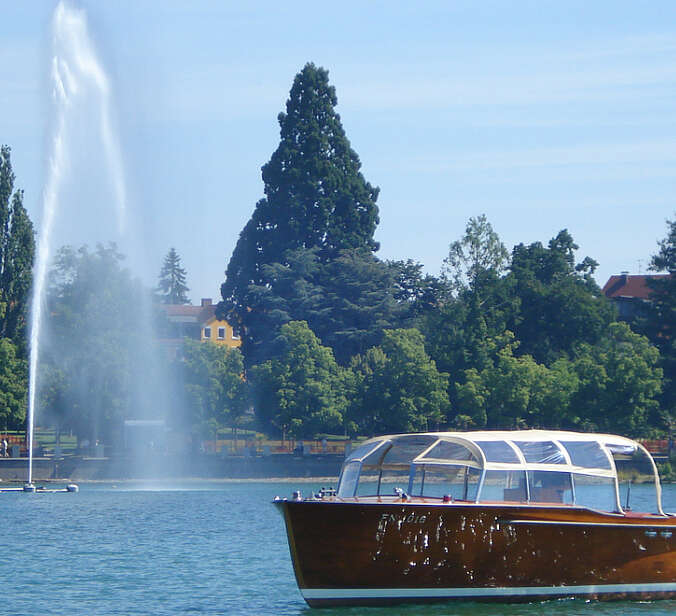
194, 548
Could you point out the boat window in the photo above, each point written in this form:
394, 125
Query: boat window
391, 478
587, 454
445, 450
439, 480
349, 478
633, 469
498, 451
363, 451
405, 448
473, 478
550, 487
541, 452
595, 492
501, 486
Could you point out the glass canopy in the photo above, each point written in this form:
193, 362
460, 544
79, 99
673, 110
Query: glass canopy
521, 466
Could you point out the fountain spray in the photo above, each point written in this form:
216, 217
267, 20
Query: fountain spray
75, 72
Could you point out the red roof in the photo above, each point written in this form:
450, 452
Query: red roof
201, 314
181, 310
625, 285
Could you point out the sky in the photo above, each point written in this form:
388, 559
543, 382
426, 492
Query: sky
541, 115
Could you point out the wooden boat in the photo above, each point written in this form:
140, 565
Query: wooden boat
520, 515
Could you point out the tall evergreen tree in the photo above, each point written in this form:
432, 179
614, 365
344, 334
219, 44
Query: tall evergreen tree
315, 197
172, 288
17, 249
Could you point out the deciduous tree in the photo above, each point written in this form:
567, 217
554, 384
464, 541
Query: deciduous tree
215, 390
100, 345
560, 304
480, 250
300, 392
13, 384
660, 324
399, 388
619, 381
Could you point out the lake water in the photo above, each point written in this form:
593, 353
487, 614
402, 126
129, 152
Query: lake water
190, 548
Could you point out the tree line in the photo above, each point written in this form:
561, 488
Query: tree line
336, 340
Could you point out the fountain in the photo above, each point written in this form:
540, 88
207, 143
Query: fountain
77, 77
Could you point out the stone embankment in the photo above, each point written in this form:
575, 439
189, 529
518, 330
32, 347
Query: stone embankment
159, 466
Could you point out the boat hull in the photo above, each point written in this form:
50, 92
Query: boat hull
360, 553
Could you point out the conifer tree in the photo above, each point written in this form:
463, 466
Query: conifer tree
17, 250
315, 196
172, 288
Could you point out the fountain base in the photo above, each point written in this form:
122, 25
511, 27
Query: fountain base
33, 489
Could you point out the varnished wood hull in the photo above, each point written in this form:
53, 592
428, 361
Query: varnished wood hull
378, 552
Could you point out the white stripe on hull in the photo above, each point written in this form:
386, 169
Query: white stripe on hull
452, 593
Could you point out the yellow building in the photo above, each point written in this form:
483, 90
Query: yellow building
220, 332
196, 322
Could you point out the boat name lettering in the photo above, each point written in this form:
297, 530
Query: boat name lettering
411, 518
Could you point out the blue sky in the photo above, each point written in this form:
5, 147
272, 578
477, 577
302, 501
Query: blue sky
541, 115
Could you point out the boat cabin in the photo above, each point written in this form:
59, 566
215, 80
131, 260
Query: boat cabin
525, 467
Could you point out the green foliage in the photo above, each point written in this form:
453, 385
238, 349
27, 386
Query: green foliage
300, 391
559, 302
397, 387
215, 390
515, 392
357, 303
13, 384
347, 301
315, 198
660, 322
418, 293
172, 288
96, 345
17, 249
480, 250
619, 381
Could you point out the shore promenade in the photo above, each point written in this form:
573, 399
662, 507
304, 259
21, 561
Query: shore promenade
160, 466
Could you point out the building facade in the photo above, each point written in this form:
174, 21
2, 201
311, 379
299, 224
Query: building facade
630, 293
195, 322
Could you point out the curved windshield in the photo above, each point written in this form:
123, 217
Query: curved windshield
406, 448
451, 452
349, 479
363, 451
634, 468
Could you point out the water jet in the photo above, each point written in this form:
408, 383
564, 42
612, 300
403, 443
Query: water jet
76, 74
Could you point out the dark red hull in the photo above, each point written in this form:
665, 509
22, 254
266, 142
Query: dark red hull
379, 551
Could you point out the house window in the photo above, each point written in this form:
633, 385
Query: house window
207, 333
234, 335
221, 333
